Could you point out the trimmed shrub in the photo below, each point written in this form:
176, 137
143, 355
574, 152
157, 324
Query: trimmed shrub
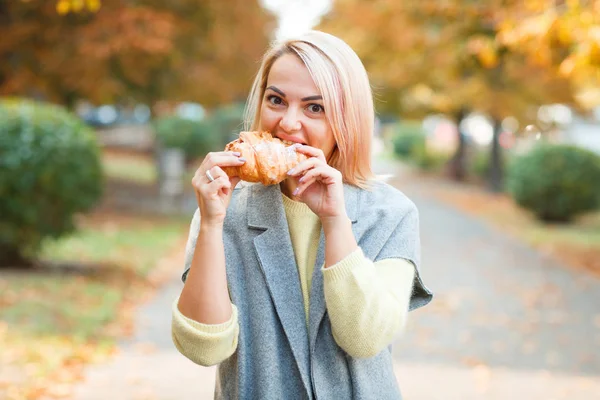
556, 182
429, 160
50, 170
410, 144
408, 139
479, 163
227, 122
195, 138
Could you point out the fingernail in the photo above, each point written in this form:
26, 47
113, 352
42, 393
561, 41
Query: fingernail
242, 159
237, 153
296, 145
296, 191
291, 171
301, 179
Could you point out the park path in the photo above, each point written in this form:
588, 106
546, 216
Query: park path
506, 323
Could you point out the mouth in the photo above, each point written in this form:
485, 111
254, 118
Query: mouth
290, 139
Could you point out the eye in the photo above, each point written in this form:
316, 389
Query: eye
315, 108
275, 100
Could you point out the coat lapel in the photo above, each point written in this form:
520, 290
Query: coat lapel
276, 258
317, 295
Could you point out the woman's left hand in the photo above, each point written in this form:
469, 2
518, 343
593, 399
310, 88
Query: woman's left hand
319, 185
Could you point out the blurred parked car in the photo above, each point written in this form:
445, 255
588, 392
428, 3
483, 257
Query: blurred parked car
110, 115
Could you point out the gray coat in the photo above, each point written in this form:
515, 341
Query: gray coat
277, 356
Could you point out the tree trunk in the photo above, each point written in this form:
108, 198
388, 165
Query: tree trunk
496, 167
11, 257
457, 164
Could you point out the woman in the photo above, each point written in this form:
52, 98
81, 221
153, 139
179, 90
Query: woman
297, 290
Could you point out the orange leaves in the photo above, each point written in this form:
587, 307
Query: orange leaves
49, 369
485, 49
567, 35
65, 6
496, 57
66, 50
129, 30
53, 323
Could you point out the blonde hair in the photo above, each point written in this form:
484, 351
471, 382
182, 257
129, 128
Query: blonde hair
347, 98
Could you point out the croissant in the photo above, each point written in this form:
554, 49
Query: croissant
268, 159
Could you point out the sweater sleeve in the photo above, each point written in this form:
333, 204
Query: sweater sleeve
367, 302
201, 343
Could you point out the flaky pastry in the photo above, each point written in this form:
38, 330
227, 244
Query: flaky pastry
268, 159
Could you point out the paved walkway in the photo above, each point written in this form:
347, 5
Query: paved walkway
506, 323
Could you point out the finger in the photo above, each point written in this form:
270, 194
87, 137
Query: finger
222, 159
224, 186
233, 183
218, 173
304, 166
215, 172
320, 173
216, 187
303, 186
200, 178
311, 152
327, 175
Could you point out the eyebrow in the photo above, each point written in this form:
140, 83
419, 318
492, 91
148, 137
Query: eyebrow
309, 98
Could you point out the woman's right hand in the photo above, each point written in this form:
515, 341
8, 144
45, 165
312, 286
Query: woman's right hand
213, 197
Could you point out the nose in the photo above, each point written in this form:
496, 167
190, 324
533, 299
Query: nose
290, 121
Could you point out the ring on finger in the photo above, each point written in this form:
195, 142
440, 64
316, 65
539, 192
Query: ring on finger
209, 176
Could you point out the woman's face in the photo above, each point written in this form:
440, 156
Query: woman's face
292, 107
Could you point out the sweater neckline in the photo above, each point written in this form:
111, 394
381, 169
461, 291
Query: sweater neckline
296, 207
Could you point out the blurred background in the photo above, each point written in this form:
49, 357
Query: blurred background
488, 118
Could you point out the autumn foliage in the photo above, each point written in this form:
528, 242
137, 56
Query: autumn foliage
117, 51
564, 34
502, 58
446, 56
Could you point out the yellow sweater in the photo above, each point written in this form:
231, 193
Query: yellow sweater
367, 302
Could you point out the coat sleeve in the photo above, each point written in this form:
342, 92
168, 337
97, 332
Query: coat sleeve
190, 247
368, 297
404, 242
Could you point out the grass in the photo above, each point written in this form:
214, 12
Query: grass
79, 307
57, 318
129, 167
584, 232
129, 243
138, 168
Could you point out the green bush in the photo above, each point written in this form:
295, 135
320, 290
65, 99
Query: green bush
227, 122
479, 163
427, 159
408, 139
50, 170
556, 182
195, 138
